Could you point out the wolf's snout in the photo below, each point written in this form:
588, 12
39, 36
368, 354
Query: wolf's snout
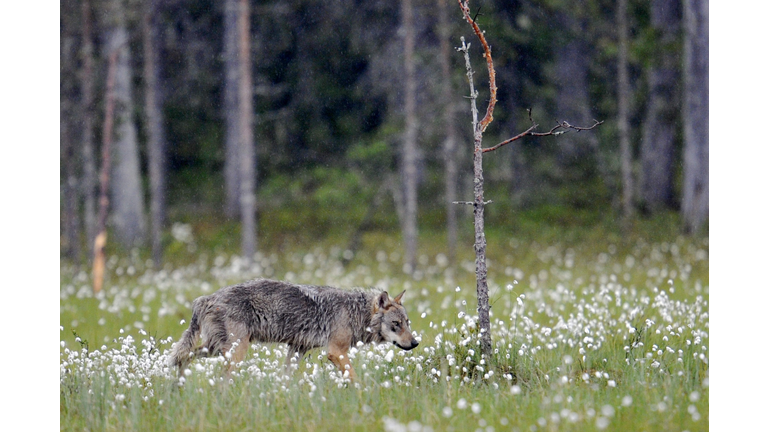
413, 344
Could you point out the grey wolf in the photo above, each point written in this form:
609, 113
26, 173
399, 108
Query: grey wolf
302, 316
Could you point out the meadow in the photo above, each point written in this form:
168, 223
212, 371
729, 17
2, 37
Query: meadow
594, 331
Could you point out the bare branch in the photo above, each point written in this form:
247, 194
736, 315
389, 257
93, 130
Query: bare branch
552, 132
471, 202
464, 5
529, 131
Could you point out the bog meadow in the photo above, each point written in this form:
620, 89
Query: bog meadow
596, 332
544, 204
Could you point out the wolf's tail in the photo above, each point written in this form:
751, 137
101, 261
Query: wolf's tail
181, 355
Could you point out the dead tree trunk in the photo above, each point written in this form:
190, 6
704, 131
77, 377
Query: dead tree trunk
247, 159
100, 242
409, 153
155, 131
481, 269
478, 127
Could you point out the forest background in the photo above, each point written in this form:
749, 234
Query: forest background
359, 123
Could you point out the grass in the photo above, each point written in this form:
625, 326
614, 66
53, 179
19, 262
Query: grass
594, 331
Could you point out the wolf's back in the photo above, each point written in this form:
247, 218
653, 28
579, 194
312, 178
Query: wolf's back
303, 316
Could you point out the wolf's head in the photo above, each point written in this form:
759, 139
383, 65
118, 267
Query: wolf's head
391, 322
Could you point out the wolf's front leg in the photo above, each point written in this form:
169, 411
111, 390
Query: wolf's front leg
338, 354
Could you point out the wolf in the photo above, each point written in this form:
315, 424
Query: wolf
302, 316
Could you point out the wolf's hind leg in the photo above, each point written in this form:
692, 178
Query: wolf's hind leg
236, 346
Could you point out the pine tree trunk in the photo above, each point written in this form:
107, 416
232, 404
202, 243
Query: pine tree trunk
695, 203
70, 218
247, 153
88, 152
155, 130
231, 113
657, 147
100, 241
127, 196
449, 146
572, 102
409, 153
627, 204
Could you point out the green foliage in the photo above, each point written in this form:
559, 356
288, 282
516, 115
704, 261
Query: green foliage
314, 202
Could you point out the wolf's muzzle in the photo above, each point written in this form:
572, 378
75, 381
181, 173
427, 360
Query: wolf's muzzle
413, 345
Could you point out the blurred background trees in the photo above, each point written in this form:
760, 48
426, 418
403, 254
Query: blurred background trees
359, 121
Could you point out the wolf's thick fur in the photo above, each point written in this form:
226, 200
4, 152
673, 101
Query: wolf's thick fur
302, 316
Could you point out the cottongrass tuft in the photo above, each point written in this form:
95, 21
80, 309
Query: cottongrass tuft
476, 408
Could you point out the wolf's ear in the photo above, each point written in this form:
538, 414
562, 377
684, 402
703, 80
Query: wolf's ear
382, 300
399, 297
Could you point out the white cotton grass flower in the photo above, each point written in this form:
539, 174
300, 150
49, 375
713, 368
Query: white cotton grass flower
602, 423
461, 404
476, 408
608, 410
626, 401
